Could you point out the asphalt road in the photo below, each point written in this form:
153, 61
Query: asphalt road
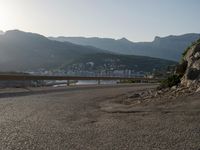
72, 119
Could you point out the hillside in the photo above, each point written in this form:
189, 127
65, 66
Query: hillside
22, 51
105, 61
170, 47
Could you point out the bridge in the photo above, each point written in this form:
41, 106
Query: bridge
23, 77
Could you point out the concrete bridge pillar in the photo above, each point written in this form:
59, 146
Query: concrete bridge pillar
68, 82
99, 81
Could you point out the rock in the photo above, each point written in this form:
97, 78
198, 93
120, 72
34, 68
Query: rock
198, 90
150, 92
166, 90
192, 73
144, 94
136, 95
197, 55
160, 92
174, 87
156, 94
196, 64
179, 89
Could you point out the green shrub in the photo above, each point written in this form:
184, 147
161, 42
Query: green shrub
170, 81
127, 81
198, 41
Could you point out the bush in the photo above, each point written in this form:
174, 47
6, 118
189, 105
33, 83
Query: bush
127, 81
181, 68
170, 81
198, 41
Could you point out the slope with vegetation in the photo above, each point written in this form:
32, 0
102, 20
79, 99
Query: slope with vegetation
104, 61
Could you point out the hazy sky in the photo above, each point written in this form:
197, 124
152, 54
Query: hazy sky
137, 20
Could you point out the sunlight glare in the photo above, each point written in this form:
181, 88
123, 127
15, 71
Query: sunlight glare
6, 15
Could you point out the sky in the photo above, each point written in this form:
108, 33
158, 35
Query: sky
137, 20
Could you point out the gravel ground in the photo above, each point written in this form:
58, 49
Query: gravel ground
75, 119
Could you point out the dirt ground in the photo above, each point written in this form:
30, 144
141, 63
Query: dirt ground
90, 118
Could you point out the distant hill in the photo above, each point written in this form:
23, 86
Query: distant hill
21, 51
1, 32
170, 47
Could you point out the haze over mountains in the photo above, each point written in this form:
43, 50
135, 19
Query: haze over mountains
1, 32
21, 51
170, 47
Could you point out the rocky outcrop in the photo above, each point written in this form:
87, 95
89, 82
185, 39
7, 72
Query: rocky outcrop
191, 60
189, 69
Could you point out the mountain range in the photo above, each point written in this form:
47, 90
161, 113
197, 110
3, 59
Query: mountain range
21, 51
169, 47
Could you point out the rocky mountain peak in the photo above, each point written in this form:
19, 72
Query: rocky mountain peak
157, 38
124, 39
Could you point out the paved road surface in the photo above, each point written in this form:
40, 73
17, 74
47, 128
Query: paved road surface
72, 119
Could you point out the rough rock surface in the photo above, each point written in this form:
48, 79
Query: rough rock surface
191, 76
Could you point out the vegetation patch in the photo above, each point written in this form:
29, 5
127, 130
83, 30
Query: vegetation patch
170, 81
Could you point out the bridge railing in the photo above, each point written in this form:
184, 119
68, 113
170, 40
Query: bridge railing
23, 77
